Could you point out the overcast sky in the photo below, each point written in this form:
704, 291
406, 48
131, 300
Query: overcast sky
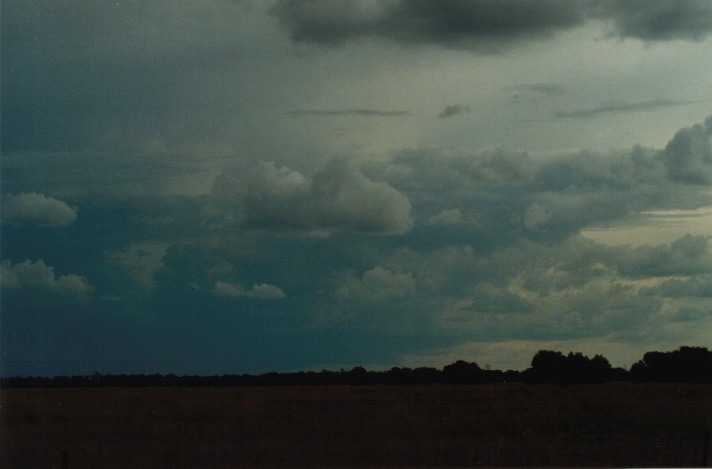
225, 186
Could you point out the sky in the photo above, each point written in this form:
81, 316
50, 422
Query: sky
228, 187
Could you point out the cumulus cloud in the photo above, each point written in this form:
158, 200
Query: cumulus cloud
573, 288
378, 284
688, 156
600, 305
502, 195
685, 256
453, 110
488, 25
263, 291
447, 217
339, 197
38, 209
142, 261
490, 298
695, 286
37, 276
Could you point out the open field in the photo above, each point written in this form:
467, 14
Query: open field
617, 424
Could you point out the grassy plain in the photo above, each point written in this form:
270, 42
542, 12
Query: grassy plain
617, 424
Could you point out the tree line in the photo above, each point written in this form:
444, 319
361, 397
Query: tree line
684, 365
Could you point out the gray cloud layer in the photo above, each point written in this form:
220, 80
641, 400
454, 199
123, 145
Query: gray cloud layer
487, 25
453, 110
618, 107
348, 112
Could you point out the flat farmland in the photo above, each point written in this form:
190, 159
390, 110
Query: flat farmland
616, 424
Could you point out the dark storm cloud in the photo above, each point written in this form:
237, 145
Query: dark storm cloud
487, 25
348, 112
452, 23
453, 110
657, 20
622, 107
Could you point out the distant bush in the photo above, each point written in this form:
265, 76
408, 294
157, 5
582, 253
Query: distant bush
687, 364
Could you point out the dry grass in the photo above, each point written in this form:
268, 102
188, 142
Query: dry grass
372, 426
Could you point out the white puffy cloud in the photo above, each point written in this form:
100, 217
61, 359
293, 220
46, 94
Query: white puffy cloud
378, 284
339, 197
37, 209
28, 275
263, 291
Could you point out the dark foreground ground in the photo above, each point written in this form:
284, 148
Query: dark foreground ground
618, 424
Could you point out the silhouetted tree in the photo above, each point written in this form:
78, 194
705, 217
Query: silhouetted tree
547, 367
462, 372
555, 368
686, 364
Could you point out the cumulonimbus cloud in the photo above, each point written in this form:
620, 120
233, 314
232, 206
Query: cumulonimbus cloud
339, 197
